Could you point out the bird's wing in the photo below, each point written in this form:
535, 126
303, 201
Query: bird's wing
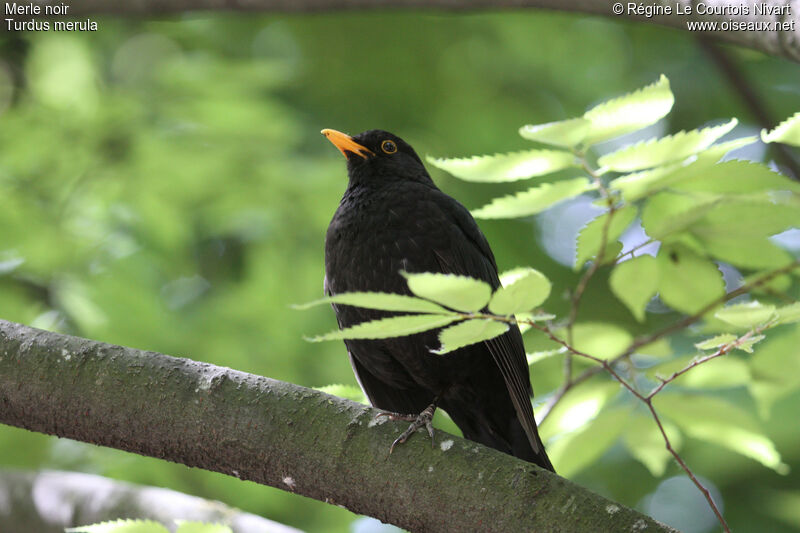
473, 257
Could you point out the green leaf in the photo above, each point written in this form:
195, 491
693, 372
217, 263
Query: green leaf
512, 166
644, 441
469, 332
538, 317
750, 253
121, 526
688, 282
668, 213
722, 372
640, 184
343, 391
565, 133
635, 282
534, 200
396, 326
630, 112
715, 342
535, 357
787, 132
186, 526
602, 340
747, 219
378, 300
573, 452
775, 368
747, 345
457, 292
523, 289
577, 408
736, 177
788, 314
655, 152
590, 237
746, 315
719, 422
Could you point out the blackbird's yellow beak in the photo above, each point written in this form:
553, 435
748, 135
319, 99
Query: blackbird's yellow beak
345, 143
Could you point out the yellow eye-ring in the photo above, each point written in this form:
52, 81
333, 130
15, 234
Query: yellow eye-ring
389, 147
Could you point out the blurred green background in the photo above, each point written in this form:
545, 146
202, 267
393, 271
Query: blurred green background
163, 185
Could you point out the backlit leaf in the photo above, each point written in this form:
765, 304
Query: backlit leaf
573, 452
736, 177
190, 526
512, 166
787, 132
642, 183
788, 314
457, 292
590, 236
598, 339
396, 326
645, 442
750, 253
746, 315
121, 526
668, 213
534, 200
522, 290
378, 300
688, 282
635, 282
469, 332
350, 392
566, 133
577, 408
630, 112
655, 152
716, 341
722, 423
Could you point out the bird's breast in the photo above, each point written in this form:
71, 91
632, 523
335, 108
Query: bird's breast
371, 239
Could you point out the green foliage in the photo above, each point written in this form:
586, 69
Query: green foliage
162, 185
149, 526
534, 200
599, 229
722, 423
469, 332
397, 326
629, 113
461, 293
700, 211
787, 131
506, 167
121, 526
523, 289
635, 282
653, 153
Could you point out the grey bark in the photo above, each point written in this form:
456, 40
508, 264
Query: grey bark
779, 43
297, 439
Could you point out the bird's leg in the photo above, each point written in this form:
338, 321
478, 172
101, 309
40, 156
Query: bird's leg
424, 419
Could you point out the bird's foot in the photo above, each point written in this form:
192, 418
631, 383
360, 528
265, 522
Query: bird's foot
424, 419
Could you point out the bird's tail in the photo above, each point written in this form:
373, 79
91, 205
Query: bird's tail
500, 430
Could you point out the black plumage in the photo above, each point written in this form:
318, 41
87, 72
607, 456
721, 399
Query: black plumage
393, 218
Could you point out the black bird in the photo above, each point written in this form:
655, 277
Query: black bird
393, 218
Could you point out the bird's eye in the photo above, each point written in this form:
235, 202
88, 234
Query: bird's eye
389, 147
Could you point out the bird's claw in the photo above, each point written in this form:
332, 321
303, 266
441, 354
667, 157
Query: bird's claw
424, 419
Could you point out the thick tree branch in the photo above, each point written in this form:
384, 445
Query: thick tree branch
83, 499
784, 43
283, 435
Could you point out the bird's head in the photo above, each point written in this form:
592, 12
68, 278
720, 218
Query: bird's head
377, 155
